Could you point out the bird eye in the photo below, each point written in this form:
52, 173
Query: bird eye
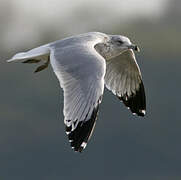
120, 42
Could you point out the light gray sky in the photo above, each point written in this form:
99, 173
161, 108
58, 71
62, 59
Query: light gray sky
28, 18
129, 8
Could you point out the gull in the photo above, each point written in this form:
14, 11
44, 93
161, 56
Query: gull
83, 64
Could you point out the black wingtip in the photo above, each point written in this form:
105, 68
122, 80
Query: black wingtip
31, 61
41, 68
136, 102
79, 137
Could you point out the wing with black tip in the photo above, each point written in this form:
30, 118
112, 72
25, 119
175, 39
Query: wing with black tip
80, 71
123, 78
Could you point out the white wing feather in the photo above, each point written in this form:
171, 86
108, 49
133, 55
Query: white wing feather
81, 75
123, 78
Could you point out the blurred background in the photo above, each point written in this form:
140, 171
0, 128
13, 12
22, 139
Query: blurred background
33, 143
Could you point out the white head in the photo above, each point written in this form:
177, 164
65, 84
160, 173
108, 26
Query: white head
119, 44
114, 46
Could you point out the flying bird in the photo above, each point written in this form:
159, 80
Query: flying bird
83, 64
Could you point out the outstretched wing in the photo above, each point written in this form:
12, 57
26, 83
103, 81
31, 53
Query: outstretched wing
123, 78
80, 70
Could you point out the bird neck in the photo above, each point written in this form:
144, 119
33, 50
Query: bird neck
107, 50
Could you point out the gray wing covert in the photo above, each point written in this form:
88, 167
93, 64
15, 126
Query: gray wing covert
123, 78
80, 71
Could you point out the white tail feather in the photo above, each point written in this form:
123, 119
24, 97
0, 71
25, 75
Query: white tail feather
41, 52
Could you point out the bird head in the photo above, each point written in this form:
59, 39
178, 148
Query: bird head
121, 43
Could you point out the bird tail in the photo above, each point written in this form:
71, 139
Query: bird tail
39, 53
